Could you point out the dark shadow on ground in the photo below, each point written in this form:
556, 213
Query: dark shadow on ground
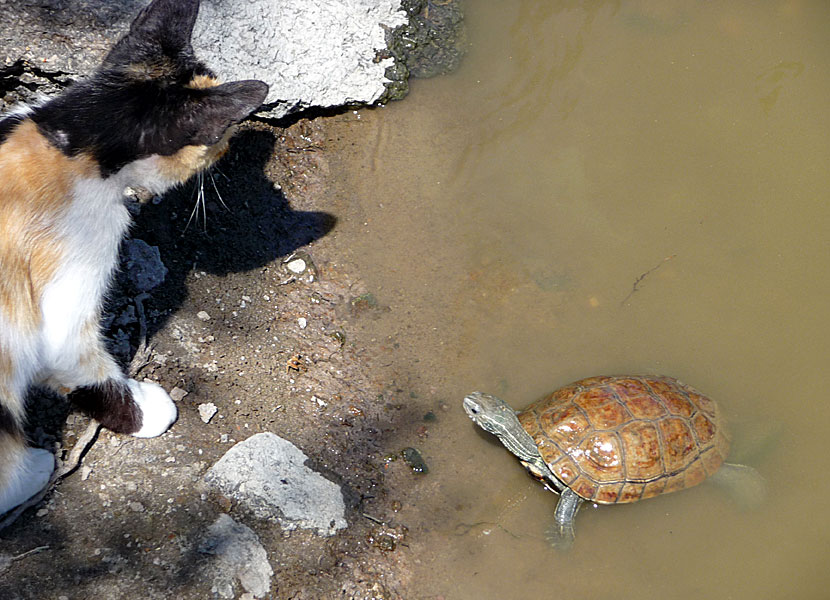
251, 226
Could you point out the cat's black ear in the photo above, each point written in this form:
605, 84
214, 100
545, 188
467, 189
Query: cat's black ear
168, 21
225, 105
163, 28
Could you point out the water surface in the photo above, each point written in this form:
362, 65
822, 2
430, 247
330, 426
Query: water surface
612, 187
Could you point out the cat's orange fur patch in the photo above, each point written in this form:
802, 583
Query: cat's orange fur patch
188, 161
200, 82
37, 181
150, 70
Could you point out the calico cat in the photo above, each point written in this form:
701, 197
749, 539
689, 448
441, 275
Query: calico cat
151, 116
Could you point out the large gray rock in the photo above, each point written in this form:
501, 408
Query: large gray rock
237, 554
267, 475
311, 53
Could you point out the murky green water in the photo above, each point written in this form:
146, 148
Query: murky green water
612, 187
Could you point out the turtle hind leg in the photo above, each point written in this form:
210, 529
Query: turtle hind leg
561, 533
745, 485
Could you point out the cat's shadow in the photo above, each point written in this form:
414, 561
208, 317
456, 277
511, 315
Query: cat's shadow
251, 226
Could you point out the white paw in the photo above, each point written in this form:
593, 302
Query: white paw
29, 477
157, 409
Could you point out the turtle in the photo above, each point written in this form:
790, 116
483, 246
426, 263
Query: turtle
609, 440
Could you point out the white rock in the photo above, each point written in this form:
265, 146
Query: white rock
310, 53
206, 411
297, 266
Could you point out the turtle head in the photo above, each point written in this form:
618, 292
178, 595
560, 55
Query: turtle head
495, 416
490, 413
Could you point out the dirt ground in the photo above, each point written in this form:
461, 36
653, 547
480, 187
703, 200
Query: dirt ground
226, 326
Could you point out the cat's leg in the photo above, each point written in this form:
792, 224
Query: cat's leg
100, 389
140, 408
24, 471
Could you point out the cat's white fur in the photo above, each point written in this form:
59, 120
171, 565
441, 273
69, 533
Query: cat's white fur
89, 232
64, 165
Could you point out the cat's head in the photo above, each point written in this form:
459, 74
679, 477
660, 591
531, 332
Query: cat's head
152, 98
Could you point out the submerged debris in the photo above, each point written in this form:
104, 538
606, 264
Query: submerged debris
415, 461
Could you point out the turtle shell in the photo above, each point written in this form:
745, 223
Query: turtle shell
621, 439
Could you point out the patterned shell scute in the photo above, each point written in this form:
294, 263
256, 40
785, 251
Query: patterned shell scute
621, 439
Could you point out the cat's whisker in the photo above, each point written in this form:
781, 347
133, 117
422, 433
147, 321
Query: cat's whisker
190, 218
195, 195
202, 201
213, 181
218, 170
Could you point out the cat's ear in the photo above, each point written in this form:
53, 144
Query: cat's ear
161, 29
223, 106
169, 22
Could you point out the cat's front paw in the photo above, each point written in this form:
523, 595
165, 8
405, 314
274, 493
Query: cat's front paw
30, 476
157, 409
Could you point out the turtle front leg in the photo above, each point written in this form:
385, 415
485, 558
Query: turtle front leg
561, 533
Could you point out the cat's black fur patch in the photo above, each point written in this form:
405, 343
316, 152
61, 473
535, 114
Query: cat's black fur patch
111, 404
138, 103
8, 423
7, 125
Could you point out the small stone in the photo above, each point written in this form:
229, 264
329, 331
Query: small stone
203, 316
302, 322
85, 472
296, 266
42, 512
136, 507
415, 461
206, 411
177, 394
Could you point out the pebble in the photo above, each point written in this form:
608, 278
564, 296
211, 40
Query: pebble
203, 316
415, 461
296, 266
136, 507
177, 394
206, 411
303, 322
